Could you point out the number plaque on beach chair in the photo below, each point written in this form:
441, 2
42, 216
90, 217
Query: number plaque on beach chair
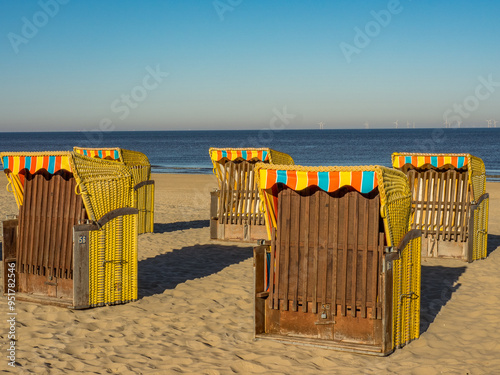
340, 269
75, 241
235, 212
449, 203
143, 188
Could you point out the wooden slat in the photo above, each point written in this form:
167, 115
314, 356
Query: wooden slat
324, 200
55, 225
465, 210
295, 245
278, 253
272, 281
375, 242
343, 271
354, 269
32, 229
285, 248
305, 269
452, 198
334, 245
315, 242
364, 215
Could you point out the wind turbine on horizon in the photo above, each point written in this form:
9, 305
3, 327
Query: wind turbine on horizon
367, 125
407, 124
321, 125
396, 123
495, 123
489, 123
446, 123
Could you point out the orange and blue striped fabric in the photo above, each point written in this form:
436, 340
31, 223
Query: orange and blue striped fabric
261, 155
436, 161
33, 164
362, 181
102, 154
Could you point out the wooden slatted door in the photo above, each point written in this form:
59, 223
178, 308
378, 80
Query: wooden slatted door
328, 262
236, 214
45, 246
239, 197
441, 202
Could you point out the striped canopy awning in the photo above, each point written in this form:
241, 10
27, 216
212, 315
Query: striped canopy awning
33, 163
234, 154
437, 161
103, 153
329, 181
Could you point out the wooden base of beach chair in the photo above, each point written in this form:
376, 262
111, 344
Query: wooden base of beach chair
434, 248
370, 333
239, 230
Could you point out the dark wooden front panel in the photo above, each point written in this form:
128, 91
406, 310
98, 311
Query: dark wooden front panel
328, 265
45, 248
440, 202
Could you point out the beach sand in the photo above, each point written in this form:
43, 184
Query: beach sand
195, 312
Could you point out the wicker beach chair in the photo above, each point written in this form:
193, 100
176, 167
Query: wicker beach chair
449, 203
74, 242
235, 206
143, 188
340, 269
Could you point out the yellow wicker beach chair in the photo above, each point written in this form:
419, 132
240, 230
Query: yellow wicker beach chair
449, 203
235, 206
340, 269
75, 241
143, 188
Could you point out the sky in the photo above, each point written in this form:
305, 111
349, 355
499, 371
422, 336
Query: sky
72, 65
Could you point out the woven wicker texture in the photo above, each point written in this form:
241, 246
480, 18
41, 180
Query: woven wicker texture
140, 169
107, 186
480, 230
406, 294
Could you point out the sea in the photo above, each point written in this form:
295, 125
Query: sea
187, 151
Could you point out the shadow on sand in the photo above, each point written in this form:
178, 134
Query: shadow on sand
180, 225
166, 271
438, 285
493, 243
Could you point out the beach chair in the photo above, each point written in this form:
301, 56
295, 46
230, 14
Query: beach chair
143, 188
449, 203
340, 269
235, 212
74, 242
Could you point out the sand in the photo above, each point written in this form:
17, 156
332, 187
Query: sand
194, 313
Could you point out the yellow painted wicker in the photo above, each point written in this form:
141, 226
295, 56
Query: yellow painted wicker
107, 186
143, 188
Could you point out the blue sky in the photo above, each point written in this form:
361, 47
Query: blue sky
232, 64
